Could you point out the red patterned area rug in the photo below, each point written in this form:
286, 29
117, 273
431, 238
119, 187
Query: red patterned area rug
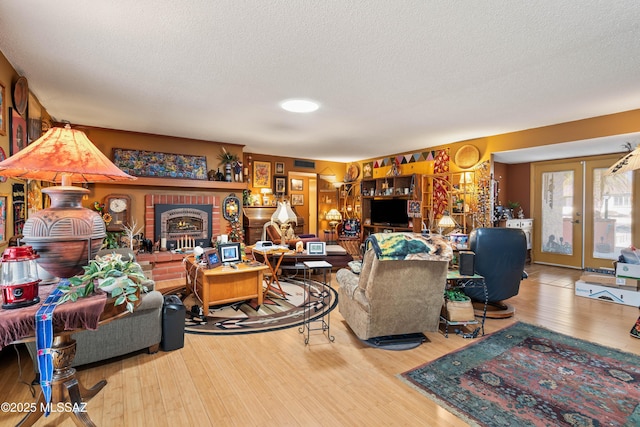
525, 375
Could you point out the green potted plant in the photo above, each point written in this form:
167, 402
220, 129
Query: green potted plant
123, 279
458, 306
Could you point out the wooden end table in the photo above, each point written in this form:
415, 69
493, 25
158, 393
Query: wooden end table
225, 284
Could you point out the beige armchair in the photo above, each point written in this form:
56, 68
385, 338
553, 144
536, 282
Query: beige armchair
400, 289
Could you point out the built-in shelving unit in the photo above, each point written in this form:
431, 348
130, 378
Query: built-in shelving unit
402, 187
458, 189
349, 200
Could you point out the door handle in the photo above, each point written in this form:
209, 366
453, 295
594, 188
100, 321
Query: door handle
575, 221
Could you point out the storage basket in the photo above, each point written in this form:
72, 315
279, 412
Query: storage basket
459, 311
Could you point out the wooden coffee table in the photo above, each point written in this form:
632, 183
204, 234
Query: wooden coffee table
225, 284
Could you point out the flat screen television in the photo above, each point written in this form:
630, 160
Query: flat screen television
391, 212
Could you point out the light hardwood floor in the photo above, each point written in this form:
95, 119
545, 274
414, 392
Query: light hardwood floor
273, 379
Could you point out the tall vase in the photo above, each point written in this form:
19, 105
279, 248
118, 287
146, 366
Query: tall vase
227, 172
65, 235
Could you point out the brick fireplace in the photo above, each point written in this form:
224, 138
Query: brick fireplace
166, 264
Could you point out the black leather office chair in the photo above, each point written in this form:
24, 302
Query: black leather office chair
500, 255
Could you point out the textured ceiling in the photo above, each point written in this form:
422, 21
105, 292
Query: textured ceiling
391, 76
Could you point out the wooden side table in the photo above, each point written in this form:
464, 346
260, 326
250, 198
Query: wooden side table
225, 284
65, 387
267, 257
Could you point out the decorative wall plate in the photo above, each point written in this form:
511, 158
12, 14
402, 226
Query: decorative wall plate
353, 172
21, 95
231, 207
467, 156
2, 157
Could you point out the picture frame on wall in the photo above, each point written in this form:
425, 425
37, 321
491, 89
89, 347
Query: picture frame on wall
19, 204
297, 199
4, 200
261, 174
279, 168
34, 197
160, 165
18, 135
34, 130
3, 116
3, 156
280, 184
296, 184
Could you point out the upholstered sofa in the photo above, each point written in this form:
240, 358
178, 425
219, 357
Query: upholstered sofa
400, 288
139, 330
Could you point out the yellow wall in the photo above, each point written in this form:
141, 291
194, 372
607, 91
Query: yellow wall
596, 127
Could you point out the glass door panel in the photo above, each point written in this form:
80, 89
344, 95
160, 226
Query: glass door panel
558, 205
557, 212
610, 198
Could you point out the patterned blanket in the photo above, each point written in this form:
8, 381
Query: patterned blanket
394, 246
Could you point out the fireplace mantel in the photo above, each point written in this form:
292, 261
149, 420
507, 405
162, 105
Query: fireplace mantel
184, 183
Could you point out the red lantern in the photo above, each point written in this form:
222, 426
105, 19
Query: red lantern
19, 277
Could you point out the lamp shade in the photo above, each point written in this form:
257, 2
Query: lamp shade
66, 236
333, 215
62, 152
446, 222
284, 214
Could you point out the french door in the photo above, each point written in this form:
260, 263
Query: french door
584, 216
558, 205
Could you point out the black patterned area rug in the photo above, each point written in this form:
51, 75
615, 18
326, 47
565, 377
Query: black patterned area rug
275, 313
525, 375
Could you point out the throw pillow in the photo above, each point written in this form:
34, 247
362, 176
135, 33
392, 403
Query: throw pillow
355, 266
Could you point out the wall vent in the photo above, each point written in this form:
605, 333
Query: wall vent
304, 164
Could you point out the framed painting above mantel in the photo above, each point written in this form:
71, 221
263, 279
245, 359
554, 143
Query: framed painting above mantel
154, 164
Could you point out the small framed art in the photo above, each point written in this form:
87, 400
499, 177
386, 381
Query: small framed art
211, 258
280, 184
316, 248
297, 199
230, 252
261, 174
18, 135
4, 198
296, 184
279, 168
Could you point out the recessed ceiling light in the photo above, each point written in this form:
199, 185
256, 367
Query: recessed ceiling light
299, 105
